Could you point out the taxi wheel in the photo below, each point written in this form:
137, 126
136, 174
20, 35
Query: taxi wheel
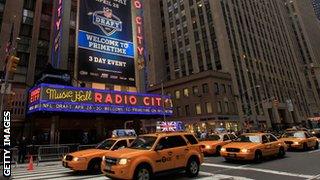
142, 172
305, 146
317, 145
281, 153
192, 169
258, 157
94, 166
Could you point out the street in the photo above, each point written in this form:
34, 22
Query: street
296, 165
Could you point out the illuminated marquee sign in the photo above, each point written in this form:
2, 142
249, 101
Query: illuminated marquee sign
57, 98
105, 42
57, 30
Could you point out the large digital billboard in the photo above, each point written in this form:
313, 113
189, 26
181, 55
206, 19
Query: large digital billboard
58, 98
105, 42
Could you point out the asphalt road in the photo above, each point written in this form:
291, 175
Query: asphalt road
295, 166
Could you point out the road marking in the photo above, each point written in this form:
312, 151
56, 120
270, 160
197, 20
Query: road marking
314, 151
221, 176
315, 177
260, 170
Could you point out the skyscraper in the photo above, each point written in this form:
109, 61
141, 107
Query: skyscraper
316, 7
251, 40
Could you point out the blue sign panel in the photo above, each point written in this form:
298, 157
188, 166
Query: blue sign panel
105, 42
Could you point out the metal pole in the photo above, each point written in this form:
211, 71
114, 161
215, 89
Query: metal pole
4, 93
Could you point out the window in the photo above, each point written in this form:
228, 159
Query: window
264, 139
223, 88
271, 138
205, 88
120, 144
198, 109
177, 94
171, 142
187, 108
195, 90
186, 92
191, 139
232, 136
216, 88
208, 107
226, 106
219, 107
230, 89
226, 137
178, 111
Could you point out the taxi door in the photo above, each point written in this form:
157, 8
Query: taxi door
163, 155
311, 141
180, 150
267, 146
274, 144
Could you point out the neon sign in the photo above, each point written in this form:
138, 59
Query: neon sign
57, 98
139, 25
58, 12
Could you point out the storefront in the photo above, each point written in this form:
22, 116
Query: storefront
65, 114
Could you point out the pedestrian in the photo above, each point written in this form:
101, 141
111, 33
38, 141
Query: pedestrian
33, 147
22, 150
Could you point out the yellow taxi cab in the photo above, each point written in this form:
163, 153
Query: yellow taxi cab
151, 154
90, 159
213, 143
253, 146
302, 140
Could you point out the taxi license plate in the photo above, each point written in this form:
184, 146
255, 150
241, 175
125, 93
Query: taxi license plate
232, 155
108, 167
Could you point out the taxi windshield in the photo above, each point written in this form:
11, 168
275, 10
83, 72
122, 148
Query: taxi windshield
249, 138
212, 137
106, 144
143, 142
294, 135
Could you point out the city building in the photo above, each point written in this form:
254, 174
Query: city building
251, 40
316, 7
199, 105
306, 33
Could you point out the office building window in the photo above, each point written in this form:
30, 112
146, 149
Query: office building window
219, 107
226, 104
195, 90
208, 107
177, 94
178, 111
216, 88
198, 109
187, 108
205, 88
186, 92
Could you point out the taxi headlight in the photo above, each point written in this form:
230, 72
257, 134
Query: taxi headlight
245, 150
207, 147
64, 157
79, 159
123, 161
223, 149
296, 143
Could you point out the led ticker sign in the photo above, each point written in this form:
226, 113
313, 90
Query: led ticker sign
53, 98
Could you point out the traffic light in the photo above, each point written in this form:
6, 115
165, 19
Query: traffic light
13, 62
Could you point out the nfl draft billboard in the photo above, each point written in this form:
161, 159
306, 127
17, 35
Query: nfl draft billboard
105, 42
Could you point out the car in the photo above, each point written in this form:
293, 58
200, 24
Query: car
90, 159
151, 154
253, 146
213, 143
300, 140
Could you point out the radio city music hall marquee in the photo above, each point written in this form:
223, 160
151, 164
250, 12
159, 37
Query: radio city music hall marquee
57, 98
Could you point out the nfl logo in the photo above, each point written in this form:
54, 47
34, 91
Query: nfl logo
107, 13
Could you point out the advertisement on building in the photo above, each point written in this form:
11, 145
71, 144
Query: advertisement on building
105, 42
58, 98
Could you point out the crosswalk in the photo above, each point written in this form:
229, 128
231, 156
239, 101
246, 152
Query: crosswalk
58, 172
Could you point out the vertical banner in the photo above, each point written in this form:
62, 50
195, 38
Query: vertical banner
105, 42
57, 33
